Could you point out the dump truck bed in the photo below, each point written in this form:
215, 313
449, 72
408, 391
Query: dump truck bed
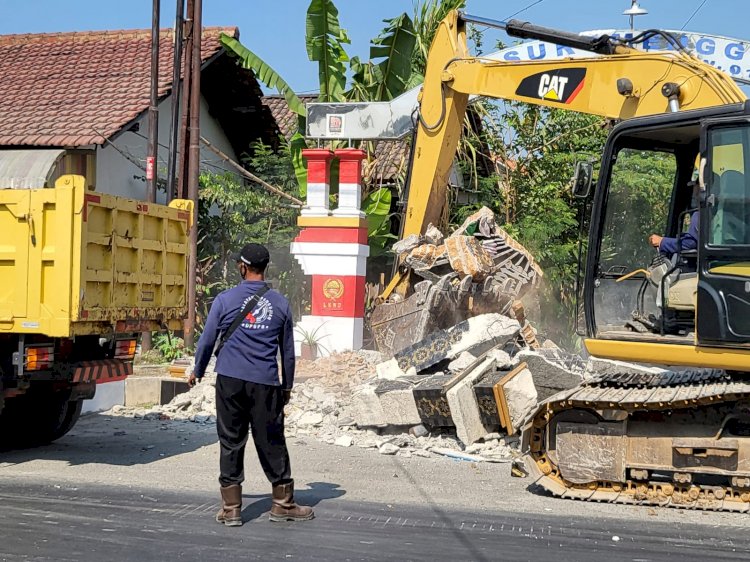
76, 262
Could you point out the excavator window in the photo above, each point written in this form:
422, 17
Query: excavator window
728, 203
638, 202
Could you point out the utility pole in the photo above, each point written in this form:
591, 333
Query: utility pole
182, 153
153, 110
174, 126
153, 128
194, 167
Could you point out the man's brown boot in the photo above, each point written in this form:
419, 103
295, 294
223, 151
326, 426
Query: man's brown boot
230, 513
284, 508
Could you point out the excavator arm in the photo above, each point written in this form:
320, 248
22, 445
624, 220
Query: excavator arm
622, 84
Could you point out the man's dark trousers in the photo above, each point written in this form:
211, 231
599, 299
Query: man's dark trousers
241, 405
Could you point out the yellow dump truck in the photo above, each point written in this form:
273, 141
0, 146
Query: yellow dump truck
82, 273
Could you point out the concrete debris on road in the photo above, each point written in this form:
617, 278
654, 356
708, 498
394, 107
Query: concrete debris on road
326, 403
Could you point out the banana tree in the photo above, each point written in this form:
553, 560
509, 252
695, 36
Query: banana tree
386, 75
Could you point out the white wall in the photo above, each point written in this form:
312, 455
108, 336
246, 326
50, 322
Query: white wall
107, 395
115, 174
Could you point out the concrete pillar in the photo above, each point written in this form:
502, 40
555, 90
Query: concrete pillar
318, 181
350, 182
333, 250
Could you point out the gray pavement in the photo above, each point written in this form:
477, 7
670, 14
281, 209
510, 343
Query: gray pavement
91, 523
123, 489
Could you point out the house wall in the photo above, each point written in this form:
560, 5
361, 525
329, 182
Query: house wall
117, 175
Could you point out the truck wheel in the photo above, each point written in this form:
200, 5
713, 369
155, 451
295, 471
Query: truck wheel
69, 418
37, 419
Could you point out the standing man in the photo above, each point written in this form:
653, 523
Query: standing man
253, 324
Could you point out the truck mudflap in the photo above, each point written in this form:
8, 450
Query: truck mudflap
101, 371
674, 439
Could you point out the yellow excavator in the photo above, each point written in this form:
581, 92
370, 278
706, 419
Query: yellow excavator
677, 436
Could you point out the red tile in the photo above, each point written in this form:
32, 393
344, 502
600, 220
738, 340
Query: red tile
58, 87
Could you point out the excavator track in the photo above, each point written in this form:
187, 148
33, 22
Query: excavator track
677, 439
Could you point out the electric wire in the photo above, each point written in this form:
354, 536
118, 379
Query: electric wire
485, 28
524, 9
693, 15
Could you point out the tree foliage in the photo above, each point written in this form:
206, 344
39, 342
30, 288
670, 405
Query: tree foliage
535, 149
231, 214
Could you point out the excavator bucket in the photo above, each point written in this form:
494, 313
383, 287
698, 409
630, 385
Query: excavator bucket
479, 269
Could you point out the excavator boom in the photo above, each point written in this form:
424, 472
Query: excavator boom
617, 86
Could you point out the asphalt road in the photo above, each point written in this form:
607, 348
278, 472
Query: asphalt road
64, 522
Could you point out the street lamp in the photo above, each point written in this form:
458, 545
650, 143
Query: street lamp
634, 10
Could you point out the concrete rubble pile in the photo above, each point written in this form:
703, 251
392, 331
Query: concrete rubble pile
322, 407
478, 269
434, 399
478, 378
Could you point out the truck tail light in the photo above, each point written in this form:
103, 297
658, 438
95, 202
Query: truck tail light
125, 349
39, 357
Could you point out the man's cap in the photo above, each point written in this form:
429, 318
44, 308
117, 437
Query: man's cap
253, 254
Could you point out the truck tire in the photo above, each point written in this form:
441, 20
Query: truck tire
37, 418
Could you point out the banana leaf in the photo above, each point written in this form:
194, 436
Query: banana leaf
324, 39
394, 46
263, 72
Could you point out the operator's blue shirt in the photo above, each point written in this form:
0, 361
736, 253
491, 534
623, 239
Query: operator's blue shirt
251, 351
688, 240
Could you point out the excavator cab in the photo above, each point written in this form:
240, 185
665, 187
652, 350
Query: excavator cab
724, 261
700, 293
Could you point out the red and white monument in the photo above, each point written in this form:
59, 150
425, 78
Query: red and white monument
332, 248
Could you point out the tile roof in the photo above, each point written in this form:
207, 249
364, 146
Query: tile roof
285, 117
390, 158
76, 89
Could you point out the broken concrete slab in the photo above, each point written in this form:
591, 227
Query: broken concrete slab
520, 396
467, 256
344, 441
310, 418
461, 362
552, 370
476, 335
367, 409
464, 407
388, 449
433, 235
397, 401
397, 325
419, 431
407, 244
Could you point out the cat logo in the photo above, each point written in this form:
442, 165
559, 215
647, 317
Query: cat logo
552, 87
560, 86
